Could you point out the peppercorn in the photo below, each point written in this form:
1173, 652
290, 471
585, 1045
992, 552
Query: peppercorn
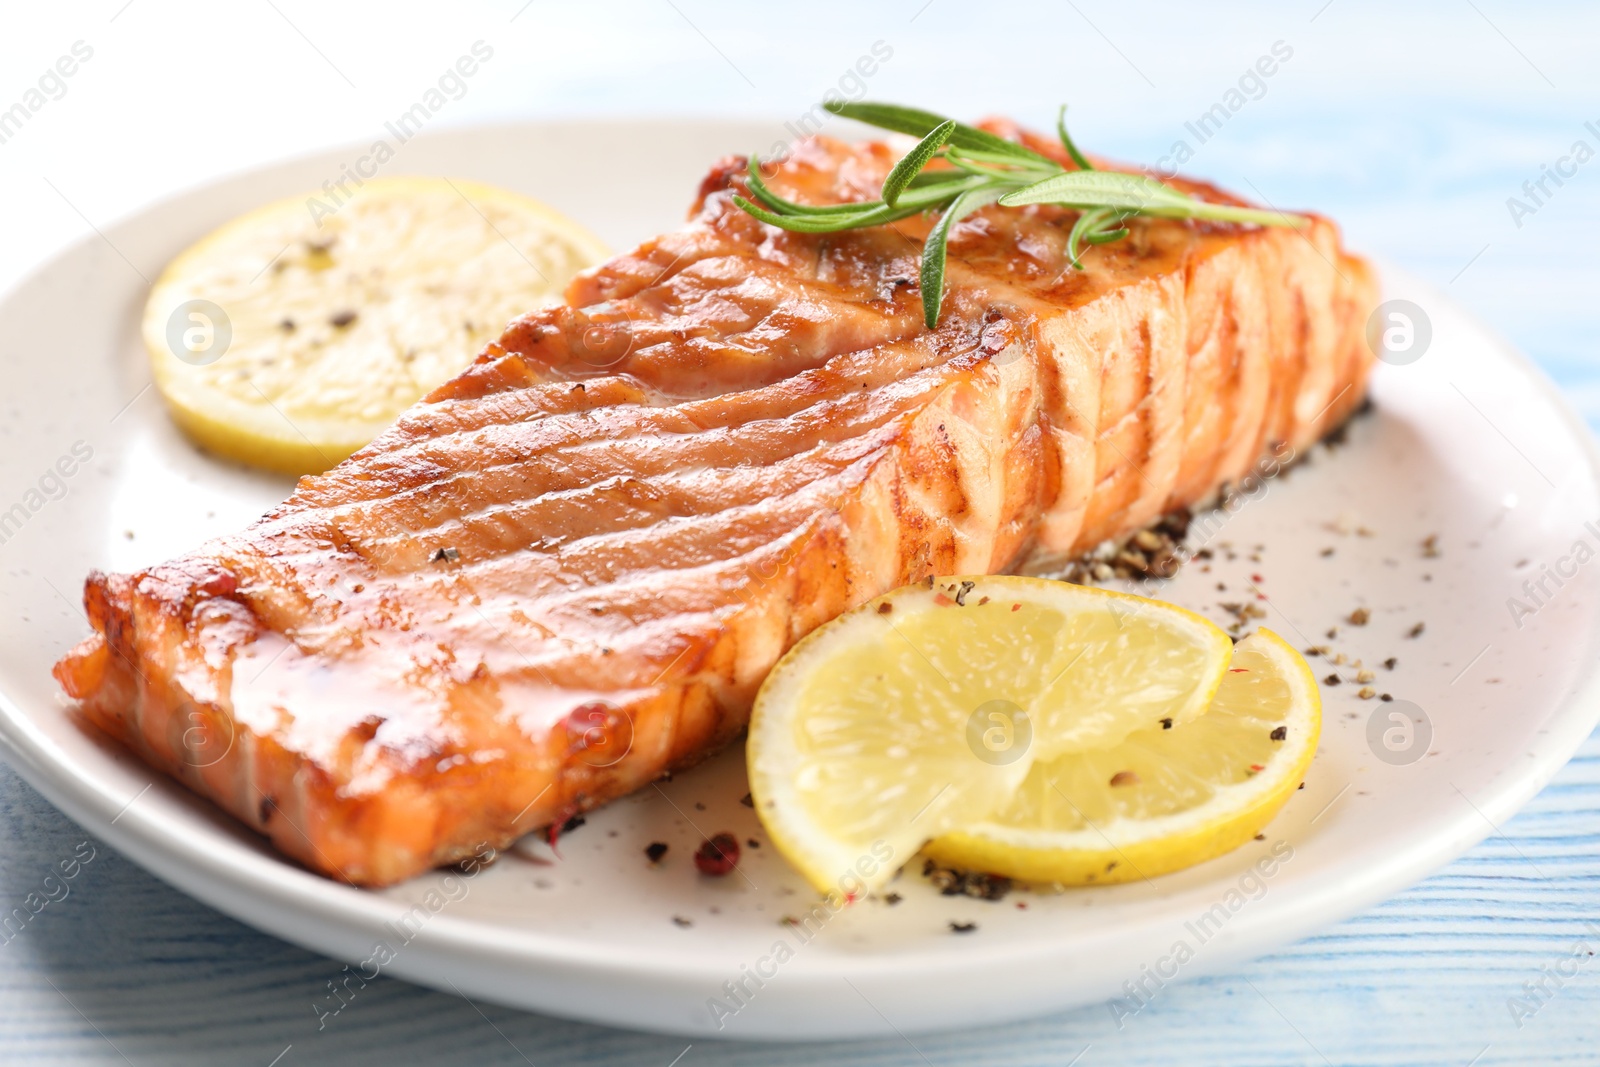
717, 855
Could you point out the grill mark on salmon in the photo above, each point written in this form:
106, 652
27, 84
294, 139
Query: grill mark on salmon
724, 438
575, 465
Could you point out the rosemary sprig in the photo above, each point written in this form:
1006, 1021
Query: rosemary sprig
981, 169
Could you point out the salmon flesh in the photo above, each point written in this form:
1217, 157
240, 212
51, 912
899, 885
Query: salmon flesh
565, 572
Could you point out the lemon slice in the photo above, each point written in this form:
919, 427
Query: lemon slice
922, 711
293, 335
1163, 799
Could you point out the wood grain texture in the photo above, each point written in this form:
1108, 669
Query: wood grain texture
126, 964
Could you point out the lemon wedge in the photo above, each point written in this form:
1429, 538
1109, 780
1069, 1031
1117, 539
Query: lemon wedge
922, 712
1163, 799
289, 338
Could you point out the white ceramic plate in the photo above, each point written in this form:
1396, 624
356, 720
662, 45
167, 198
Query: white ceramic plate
1468, 443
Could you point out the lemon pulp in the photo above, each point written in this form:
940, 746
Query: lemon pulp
924, 710
1163, 799
287, 339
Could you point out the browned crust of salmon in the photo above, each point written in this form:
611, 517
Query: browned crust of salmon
565, 572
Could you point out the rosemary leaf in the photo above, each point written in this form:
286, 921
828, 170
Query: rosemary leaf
1136, 194
1105, 237
920, 123
875, 214
945, 186
912, 162
1066, 141
1098, 188
1088, 228
933, 194
933, 250
789, 207
1016, 165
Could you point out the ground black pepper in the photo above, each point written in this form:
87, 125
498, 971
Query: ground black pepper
953, 883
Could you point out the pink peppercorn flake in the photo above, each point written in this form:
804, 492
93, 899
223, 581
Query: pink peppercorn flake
717, 855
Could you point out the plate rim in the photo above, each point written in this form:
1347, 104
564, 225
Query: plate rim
270, 893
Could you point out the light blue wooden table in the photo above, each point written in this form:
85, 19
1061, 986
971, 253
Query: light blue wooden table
1411, 125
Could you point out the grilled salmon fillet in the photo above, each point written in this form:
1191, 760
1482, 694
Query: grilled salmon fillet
565, 572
